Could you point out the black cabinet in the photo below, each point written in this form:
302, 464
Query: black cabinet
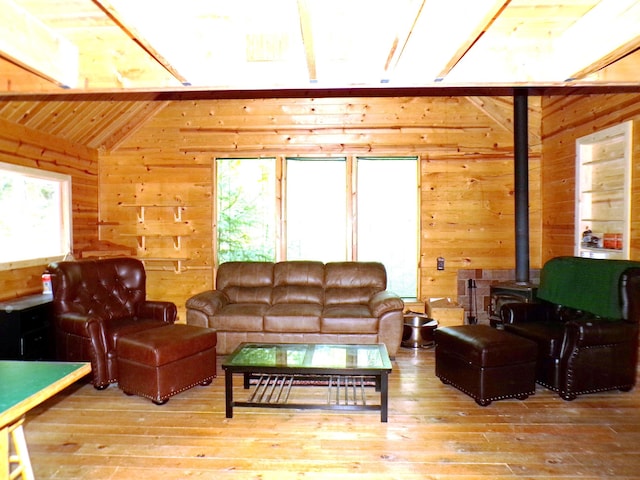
26, 328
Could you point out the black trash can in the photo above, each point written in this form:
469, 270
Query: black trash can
418, 330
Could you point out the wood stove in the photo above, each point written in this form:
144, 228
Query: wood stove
509, 292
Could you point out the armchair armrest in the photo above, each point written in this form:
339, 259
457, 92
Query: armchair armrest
385, 301
525, 312
209, 302
600, 332
157, 310
78, 324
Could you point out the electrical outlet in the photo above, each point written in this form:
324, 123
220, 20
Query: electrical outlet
440, 263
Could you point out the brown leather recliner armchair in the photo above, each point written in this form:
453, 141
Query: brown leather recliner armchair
95, 302
585, 322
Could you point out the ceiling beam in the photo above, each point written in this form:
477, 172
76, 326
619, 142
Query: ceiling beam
128, 26
29, 43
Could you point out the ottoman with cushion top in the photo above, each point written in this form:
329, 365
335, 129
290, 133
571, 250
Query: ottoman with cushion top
163, 361
485, 363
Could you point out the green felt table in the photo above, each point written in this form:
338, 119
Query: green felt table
24, 385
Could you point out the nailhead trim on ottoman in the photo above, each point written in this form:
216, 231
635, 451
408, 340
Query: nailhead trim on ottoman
167, 360
485, 363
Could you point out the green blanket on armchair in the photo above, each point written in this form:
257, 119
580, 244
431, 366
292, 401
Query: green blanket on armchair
586, 284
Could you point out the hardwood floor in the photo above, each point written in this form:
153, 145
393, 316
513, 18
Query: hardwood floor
434, 431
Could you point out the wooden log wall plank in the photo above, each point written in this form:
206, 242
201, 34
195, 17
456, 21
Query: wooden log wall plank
23, 146
466, 173
565, 119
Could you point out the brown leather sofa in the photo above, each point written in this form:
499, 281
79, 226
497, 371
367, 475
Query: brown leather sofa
97, 301
585, 323
300, 302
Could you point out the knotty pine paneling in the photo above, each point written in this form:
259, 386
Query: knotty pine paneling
564, 120
466, 153
27, 147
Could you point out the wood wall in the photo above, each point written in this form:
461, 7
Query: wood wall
30, 148
564, 119
465, 145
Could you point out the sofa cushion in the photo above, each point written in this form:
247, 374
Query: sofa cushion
298, 282
248, 294
246, 282
353, 282
307, 273
240, 317
293, 318
348, 319
548, 335
297, 294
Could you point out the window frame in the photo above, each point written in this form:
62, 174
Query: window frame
66, 228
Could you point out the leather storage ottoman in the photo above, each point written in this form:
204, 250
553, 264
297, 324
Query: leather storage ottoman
163, 361
485, 363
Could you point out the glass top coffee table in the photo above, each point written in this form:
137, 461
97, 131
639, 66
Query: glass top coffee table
273, 371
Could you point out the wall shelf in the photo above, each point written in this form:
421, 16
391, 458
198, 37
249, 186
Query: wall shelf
173, 228
177, 209
158, 263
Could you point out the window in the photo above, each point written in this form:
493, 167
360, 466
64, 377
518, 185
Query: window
246, 209
35, 216
315, 209
326, 212
388, 219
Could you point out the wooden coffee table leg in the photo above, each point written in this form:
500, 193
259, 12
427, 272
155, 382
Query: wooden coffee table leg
228, 392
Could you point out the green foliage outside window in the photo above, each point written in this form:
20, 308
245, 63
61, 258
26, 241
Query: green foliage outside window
246, 216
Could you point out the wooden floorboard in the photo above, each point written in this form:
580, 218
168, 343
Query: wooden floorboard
434, 431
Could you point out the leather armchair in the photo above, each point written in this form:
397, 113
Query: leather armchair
97, 301
581, 351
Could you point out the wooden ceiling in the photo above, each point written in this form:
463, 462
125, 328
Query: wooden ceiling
69, 46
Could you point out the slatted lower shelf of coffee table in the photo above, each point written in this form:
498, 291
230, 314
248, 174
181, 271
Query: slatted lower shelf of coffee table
306, 376
342, 392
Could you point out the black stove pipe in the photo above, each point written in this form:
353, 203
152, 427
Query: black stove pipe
521, 183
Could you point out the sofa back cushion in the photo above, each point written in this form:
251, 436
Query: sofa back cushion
109, 288
246, 282
353, 282
298, 282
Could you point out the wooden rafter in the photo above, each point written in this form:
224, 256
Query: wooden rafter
139, 38
307, 38
481, 27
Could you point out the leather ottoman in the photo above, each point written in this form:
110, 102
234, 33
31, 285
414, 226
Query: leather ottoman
163, 361
485, 363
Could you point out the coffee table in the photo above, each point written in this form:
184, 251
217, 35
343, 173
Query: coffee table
274, 369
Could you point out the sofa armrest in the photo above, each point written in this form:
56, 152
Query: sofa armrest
385, 301
525, 312
209, 302
157, 310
